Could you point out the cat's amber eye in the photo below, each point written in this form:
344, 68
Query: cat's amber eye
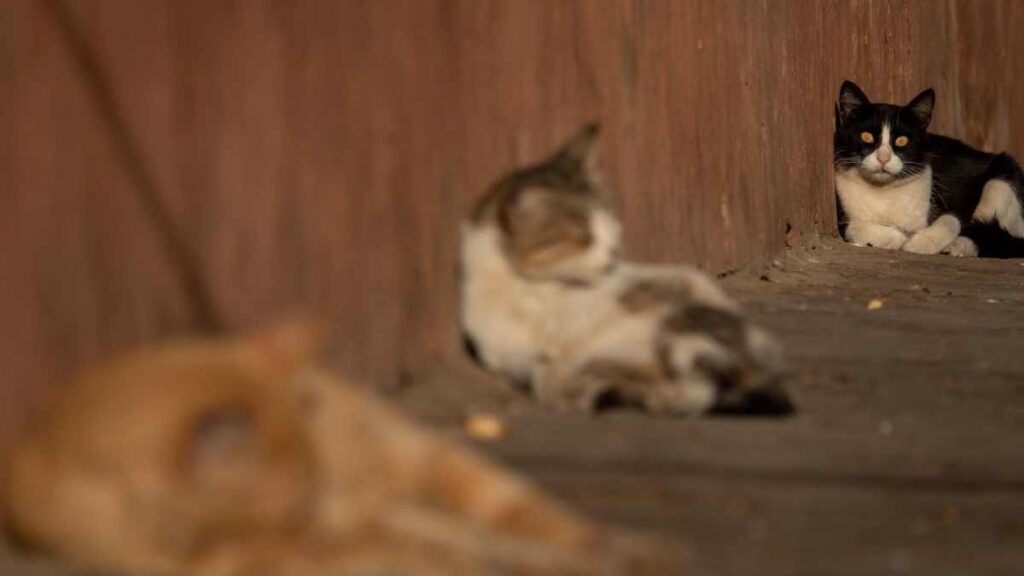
901, 141
867, 137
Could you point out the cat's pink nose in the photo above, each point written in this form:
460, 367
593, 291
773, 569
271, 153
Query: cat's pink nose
884, 156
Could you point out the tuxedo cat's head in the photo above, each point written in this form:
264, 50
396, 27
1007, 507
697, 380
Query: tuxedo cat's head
552, 222
881, 142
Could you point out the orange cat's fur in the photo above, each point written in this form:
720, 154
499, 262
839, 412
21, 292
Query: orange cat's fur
239, 457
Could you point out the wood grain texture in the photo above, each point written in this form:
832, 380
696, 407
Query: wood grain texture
318, 154
82, 274
902, 458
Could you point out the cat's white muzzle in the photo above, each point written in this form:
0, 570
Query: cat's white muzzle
874, 171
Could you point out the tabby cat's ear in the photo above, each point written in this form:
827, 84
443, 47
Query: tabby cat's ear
922, 106
580, 151
851, 99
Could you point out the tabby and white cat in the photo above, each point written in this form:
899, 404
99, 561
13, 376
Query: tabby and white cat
238, 458
901, 187
547, 301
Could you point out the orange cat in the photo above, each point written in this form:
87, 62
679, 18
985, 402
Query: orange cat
238, 457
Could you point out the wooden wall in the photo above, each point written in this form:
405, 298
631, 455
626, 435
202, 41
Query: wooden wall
318, 154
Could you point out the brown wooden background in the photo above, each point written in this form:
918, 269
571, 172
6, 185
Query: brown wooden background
318, 154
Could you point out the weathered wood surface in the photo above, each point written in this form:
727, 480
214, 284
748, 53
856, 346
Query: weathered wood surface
904, 458
318, 154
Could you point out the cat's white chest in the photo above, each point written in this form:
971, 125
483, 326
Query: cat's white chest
500, 310
904, 204
513, 321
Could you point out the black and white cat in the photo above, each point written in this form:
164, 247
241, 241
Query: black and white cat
901, 187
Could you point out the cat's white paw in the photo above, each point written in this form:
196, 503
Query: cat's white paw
962, 247
688, 397
881, 237
936, 237
927, 241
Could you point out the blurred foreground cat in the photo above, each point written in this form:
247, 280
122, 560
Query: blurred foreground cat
239, 458
547, 301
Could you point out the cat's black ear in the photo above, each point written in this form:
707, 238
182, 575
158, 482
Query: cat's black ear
851, 99
580, 150
922, 106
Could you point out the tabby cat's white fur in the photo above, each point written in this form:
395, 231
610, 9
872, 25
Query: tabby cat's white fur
547, 301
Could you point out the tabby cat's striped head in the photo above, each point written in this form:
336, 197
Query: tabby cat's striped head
553, 223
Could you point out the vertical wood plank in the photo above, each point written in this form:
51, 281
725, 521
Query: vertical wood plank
318, 154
